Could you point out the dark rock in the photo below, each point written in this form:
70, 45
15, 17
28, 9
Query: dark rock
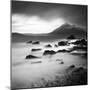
81, 42
77, 42
61, 62
62, 51
49, 52
78, 48
62, 43
72, 66
48, 45
29, 42
31, 57
56, 45
35, 49
37, 42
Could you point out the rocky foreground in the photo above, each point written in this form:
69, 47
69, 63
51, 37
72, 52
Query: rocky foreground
53, 67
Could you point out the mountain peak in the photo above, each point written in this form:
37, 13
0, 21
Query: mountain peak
66, 26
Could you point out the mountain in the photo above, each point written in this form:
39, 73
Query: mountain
61, 32
66, 29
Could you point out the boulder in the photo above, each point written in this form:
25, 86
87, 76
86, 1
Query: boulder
62, 43
29, 41
49, 52
56, 45
81, 42
48, 45
61, 62
31, 57
64, 50
37, 42
72, 66
36, 49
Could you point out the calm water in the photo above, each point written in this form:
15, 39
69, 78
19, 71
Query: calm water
25, 72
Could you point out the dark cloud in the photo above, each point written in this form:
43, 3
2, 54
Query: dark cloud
75, 14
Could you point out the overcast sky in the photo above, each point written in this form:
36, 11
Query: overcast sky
36, 17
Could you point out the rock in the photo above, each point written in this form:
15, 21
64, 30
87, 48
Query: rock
31, 57
61, 62
37, 42
62, 51
62, 43
48, 45
29, 41
76, 42
35, 49
72, 66
56, 45
81, 42
49, 52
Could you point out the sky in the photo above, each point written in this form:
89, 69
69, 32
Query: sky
37, 18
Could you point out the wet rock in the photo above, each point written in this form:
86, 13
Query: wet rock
48, 45
81, 42
49, 52
61, 62
56, 45
62, 43
29, 41
72, 66
37, 42
31, 57
35, 49
62, 51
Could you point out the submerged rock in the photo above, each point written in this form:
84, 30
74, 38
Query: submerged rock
56, 45
64, 50
36, 62
72, 66
48, 45
58, 59
61, 62
49, 52
62, 43
31, 57
81, 42
29, 41
37, 42
36, 49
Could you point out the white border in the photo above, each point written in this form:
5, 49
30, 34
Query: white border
5, 44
